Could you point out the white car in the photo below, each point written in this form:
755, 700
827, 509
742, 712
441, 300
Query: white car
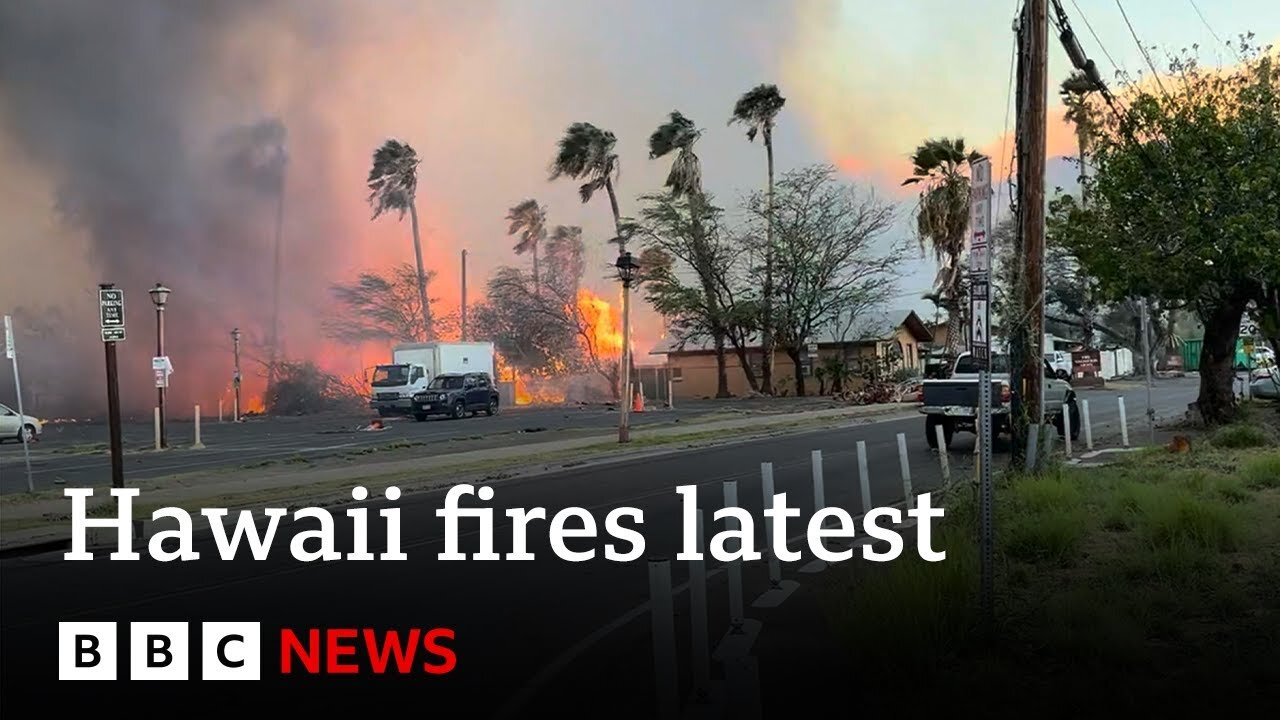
18, 427
1266, 383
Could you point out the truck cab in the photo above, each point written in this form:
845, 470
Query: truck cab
394, 386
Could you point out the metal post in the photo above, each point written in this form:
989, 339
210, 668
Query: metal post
943, 453
158, 429
197, 445
701, 650
1146, 369
235, 410
1066, 429
819, 496
113, 414
766, 485
986, 501
906, 467
1124, 423
1088, 424
737, 616
662, 615
464, 297
863, 481
11, 346
160, 391
624, 430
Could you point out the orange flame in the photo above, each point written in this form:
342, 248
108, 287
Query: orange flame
604, 323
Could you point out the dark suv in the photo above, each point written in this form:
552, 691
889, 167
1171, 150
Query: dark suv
455, 395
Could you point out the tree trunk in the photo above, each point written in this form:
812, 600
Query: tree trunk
766, 315
275, 286
794, 354
617, 216
537, 285
427, 329
745, 362
1217, 402
722, 370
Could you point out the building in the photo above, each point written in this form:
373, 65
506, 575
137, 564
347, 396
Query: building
888, 341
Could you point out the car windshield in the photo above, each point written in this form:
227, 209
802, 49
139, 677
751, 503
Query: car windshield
390, 375
447, 382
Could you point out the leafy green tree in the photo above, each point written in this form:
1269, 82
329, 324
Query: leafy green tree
528, 221
942, 219
829, 268
758, 110
1184, 205
393, 186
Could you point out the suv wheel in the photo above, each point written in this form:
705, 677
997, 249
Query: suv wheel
493, 407
459, 410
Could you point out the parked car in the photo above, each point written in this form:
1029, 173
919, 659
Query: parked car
1266, 383
14, 426
952, 403
456, 395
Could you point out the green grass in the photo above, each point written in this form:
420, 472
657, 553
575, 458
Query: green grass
1261, 471
1242, 435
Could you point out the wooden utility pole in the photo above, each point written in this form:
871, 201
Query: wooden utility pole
464, 297
1031, 131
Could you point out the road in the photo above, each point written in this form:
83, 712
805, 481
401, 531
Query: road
538, 635
73, 454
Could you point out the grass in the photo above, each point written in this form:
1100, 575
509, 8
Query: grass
1155, 577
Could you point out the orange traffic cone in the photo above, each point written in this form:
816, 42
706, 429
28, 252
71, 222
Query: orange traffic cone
637, 405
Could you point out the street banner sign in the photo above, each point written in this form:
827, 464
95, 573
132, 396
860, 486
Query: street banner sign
9, 351
980, 263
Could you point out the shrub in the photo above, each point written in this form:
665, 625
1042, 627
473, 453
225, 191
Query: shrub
1242, 436
1170, 518
1045, 536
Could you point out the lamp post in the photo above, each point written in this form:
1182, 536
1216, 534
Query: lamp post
627, 269
235, 379
160, 296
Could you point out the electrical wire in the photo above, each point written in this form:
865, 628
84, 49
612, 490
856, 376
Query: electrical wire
1209, 27
1008, 103
1155, 73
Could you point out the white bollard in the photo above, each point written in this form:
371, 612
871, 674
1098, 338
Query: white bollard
662, 614
700, 647
219, 411
942, 454
1124, 423
1066, 430
819, 496
863, 480
197, 445
766, 484
906, 467
671, 396
1088, 425
736, 615
157, 428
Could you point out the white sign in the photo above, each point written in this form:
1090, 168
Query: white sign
9, 351
813, 349
979, 311
161, 368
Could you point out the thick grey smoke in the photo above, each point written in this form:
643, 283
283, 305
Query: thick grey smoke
143, 114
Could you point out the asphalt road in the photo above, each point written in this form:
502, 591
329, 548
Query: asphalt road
538, 635
74, 454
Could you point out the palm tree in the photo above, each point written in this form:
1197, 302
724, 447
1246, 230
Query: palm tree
529, 219
587, 153
393, 185
757, 109
1075, 91
678, 136
942, 220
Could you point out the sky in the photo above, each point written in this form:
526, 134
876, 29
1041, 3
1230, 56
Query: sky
125, 114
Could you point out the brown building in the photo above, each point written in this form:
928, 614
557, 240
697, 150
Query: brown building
889, 341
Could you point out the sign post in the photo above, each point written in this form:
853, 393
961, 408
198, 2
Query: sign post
111, 314
980, 347
11, 352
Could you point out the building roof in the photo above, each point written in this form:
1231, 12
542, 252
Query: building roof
874, 326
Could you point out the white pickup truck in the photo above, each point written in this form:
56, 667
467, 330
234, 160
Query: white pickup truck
952, 403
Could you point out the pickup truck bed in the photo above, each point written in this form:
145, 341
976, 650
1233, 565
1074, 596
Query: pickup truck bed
958, 397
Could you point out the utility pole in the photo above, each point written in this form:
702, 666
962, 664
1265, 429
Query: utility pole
1146, 367
235, 378
1031, 132
1018, 331
464, 296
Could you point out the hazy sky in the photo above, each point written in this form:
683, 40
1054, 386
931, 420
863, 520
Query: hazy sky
482, 89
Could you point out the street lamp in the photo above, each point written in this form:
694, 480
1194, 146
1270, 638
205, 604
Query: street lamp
627, 271
160, 296
235, 379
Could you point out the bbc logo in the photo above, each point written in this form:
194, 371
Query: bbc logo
159, 651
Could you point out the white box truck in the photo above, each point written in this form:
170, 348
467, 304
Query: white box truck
414, 365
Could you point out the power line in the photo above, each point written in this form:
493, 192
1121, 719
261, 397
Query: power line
1209, 27
1008, 102
1155, 73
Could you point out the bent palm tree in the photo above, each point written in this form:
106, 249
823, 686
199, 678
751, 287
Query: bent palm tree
942, 219
393, 185
587, 153
758, 109
1075, 91
678, 136
529, 221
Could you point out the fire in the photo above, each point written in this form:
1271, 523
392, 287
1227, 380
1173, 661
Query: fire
603, 322
529, 389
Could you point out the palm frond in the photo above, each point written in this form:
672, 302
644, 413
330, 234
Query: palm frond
529, 219
393, 177
757, 108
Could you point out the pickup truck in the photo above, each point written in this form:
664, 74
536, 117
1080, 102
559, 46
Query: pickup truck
952, 403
